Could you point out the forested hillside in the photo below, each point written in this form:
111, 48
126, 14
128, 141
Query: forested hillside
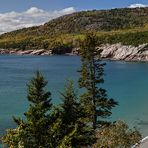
128, 26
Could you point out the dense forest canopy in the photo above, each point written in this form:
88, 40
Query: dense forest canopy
126, 25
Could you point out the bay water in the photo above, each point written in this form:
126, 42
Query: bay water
126, 82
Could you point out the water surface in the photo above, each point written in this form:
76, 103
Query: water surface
126, 82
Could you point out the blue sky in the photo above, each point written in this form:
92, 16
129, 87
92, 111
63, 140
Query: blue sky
16, 14
50, 5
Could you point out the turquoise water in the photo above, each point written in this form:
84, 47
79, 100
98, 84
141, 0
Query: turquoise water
126, 82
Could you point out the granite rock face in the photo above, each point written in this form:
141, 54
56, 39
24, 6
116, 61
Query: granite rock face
124, 52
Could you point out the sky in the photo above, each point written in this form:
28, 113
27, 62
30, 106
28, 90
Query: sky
16, 14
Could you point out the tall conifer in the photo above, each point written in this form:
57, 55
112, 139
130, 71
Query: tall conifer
72, 123
32, 132
94, 99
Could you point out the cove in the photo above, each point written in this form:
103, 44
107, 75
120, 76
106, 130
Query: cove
126, 82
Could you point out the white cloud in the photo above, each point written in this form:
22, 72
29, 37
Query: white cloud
34, 16
137, 5
34, 10
67, 10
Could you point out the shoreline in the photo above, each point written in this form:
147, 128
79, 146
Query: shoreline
114, 52
24, 52
41, 52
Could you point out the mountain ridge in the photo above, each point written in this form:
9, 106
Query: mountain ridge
125, 25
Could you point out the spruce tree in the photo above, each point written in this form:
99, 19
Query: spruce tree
78, 132
96, 104
33, 131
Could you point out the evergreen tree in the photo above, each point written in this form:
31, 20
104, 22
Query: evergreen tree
95, 101
33, 132
73, 126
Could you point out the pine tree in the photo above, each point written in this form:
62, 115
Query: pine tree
95, 101
33, 132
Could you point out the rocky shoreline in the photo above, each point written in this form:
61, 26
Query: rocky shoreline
25, 52
111, 52
125, 52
